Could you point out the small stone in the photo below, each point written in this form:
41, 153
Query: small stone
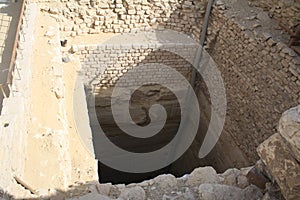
219, 3
131, 12
59, 93
104, 189
166, 182
46, 9
230, 177
224, 192
74, 49
216, 191
54, 11
134, 193
256, 25
267, 36
286, 50
103, 5
242, 182
267, 197
203, 175
271, 42
251, 192
253, 17
50, 33
256, 177
43, 192
66, 59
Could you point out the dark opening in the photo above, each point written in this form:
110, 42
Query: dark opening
141, 100
139, 112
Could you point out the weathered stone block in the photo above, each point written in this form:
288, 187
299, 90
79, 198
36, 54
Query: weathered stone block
285, 169
289, 128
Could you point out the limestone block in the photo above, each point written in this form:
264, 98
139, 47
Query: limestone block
225, 192
203, 175
280, 162
289, 128
134, 193
230, 177
103, 5
166, 182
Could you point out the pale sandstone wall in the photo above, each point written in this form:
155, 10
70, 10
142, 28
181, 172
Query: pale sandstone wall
15, 109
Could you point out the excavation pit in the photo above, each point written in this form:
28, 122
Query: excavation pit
51, 153
104, 67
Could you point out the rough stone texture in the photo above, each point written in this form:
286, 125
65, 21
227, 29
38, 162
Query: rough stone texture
170, 188
267, 68
203, 175
281, 163
92, 17
244, 42
134, 193
224, 192
289, 129
286, 12
254, 56
104, 64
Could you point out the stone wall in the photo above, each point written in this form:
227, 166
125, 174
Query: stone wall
104, 65
84, 17
285, 11
261, 74
248, 52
